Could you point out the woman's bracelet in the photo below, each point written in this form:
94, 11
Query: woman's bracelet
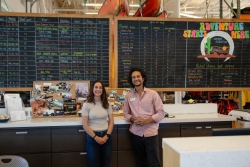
94, 136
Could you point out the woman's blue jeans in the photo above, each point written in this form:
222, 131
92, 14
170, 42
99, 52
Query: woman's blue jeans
98, 155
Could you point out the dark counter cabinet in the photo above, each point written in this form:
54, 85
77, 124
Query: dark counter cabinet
33, 144
69, 147
202, 128
167, 131
66, 146
65, 139
125, 154
124, 147
76, 159
38, 160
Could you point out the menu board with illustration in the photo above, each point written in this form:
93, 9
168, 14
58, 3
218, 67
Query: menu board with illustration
53, 47
185, 54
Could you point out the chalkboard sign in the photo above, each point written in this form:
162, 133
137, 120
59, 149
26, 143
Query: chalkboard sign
52, 47
185, 54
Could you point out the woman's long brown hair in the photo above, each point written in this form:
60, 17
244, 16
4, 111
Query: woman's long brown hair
91, 95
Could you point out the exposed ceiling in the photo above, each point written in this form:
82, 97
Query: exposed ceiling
188, 8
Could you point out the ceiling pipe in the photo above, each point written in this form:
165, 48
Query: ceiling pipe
221, 11
26, 6
207, 9
77, 12
162, 6
70, 10
31, 5
186, 3
238, 9
201, 12
232, 8
176, 13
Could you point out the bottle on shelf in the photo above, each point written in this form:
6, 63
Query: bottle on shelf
164, 97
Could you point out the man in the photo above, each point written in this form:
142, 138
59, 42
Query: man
144, 109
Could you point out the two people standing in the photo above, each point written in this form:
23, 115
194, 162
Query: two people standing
143, 107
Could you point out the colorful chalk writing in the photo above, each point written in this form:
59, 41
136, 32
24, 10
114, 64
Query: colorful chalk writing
183, 54
53, 48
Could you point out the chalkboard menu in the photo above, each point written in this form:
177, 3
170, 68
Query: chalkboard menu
185, 54
45, 49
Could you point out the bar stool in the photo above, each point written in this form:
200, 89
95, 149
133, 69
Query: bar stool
13, 161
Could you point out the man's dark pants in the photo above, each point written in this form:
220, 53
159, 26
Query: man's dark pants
146, 150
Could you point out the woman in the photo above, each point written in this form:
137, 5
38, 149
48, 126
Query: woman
98, 122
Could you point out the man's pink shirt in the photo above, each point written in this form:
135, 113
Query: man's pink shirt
148, 105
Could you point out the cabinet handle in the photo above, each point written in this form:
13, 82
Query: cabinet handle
208, 127
21, 133
81, 130
83, 153
198, 127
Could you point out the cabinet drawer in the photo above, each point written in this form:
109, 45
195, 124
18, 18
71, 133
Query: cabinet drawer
123, 138
126, 158
21, 141
77, 159
167, 130
195, 131
38, 160
74, 139
202, 129
68, 139
207, 125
